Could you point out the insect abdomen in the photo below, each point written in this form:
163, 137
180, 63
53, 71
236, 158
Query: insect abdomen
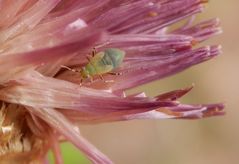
103, 62
113, 57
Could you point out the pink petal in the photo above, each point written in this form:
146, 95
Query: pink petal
28, 19
55, 147
142, 71
203, 30
36, 90
13, 62
57, 121
181, 111
9, 9
174, 95
178, 112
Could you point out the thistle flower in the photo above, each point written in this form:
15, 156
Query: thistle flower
43, 103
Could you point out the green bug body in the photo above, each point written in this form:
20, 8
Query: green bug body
102, 62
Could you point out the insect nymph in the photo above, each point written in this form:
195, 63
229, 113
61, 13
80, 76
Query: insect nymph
103, 62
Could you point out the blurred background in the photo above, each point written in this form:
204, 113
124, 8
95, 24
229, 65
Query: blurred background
207, 141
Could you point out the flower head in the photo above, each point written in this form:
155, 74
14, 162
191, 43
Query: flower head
43, 49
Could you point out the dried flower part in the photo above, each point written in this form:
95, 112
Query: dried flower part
43, 103
18, 143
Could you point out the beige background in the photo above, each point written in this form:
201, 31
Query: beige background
207, 141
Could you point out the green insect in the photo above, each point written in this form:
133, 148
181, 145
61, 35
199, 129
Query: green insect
101, 63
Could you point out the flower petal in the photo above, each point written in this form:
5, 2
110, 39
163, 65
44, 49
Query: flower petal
202, 31
178, 112
28, 19
57, 121
36, 90
9, 9
15, 62
140, 46
135, 17
142, 71
174, 95
182, 111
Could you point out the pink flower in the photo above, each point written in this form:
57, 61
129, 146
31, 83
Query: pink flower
42, 103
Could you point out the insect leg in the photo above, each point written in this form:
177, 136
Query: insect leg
115, 73
88, 58
93, 52
91, 79
81, 81
68, 68
101, 77
106, 81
